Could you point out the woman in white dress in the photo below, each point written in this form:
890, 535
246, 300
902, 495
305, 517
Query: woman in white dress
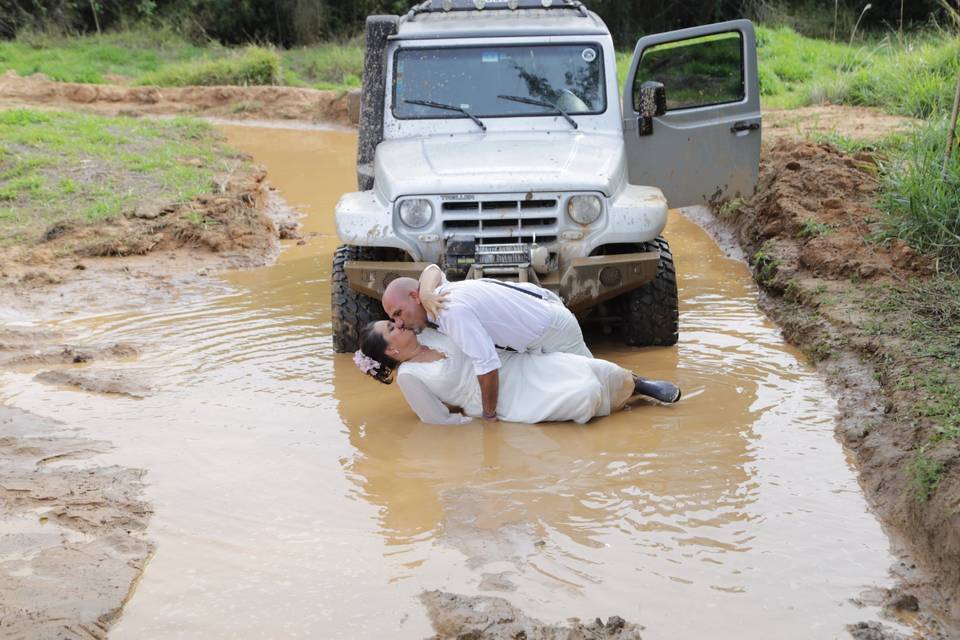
434, 375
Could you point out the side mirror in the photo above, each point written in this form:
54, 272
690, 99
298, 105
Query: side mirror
652, 102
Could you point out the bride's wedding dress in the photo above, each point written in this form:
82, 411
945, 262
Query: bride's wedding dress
534, 387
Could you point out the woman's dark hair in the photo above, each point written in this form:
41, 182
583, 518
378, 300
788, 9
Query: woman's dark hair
374, 345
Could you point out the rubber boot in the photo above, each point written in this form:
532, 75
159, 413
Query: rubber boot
657, 389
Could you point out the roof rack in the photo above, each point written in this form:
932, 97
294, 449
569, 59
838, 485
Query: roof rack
443, 6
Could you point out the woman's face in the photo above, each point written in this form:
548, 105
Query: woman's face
400, 342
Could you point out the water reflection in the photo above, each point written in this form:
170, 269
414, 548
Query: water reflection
664, 478
287, 482
699, 500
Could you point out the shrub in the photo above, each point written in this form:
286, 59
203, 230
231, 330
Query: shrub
327, 64
252, 66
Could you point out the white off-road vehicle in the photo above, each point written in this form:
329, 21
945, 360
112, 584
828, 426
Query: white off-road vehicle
493, 143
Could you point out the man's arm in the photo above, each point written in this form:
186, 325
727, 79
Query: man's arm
431, 278
489, 392
465, 330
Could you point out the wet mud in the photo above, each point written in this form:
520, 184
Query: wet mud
99, 381
282, 479
72, 540
456, 617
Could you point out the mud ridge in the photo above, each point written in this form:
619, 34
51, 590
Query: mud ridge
805, 233
113, 382
31, 354
236, 103
458, 617
73, 542
148, 257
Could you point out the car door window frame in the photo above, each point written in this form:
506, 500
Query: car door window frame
743, 73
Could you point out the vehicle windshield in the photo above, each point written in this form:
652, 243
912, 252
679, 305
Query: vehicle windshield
569, 76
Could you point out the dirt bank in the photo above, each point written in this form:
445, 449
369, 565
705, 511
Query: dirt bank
882, 325
236, 103
153, 253
73, 543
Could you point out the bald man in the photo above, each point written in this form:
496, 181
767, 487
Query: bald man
482, 315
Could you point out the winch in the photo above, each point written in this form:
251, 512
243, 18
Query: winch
463, 253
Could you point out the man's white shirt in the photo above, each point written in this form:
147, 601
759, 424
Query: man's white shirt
482, 315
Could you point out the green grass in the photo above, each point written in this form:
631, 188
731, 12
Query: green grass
926, 474
924, 316
916, 80
92, 58
790, 63
812, 228
163, 58
850, 145
908, 77
325, 66
914, 77
922, 205
765, 266
82, 168
249, 66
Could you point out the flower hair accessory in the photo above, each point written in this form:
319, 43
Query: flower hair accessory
365, 363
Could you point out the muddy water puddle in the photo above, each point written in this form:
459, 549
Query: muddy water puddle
295, 497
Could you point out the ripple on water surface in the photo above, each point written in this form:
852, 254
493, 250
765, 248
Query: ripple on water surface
296, 497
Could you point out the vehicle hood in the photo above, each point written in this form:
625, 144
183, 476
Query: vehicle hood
500, 163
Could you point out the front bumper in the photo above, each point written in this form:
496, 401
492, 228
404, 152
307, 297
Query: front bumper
584, 283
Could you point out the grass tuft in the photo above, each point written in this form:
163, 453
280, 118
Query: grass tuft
251, 66
923, 205
926, 474
916, 79
325, 66
812, 228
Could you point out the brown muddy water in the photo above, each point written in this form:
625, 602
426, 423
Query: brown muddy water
296, 498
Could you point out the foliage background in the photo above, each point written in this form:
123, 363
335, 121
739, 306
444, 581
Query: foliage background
290, 23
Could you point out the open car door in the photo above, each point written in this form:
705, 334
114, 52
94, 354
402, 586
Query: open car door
703, 144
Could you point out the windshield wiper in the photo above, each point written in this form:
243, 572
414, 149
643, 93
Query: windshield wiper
542, 103
448, 107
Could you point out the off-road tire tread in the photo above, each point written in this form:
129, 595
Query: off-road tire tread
350, 310
651, 314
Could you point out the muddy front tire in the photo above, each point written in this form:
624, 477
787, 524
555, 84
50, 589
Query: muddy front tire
350, 310
651, 313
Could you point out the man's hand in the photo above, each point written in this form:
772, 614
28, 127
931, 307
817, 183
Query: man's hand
433, 303
489, 392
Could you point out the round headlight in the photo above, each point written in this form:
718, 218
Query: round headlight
584, 209
416, 212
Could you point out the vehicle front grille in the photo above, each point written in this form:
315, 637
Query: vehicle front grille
501, 221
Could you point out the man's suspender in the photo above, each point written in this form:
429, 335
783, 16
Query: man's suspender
515, 288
